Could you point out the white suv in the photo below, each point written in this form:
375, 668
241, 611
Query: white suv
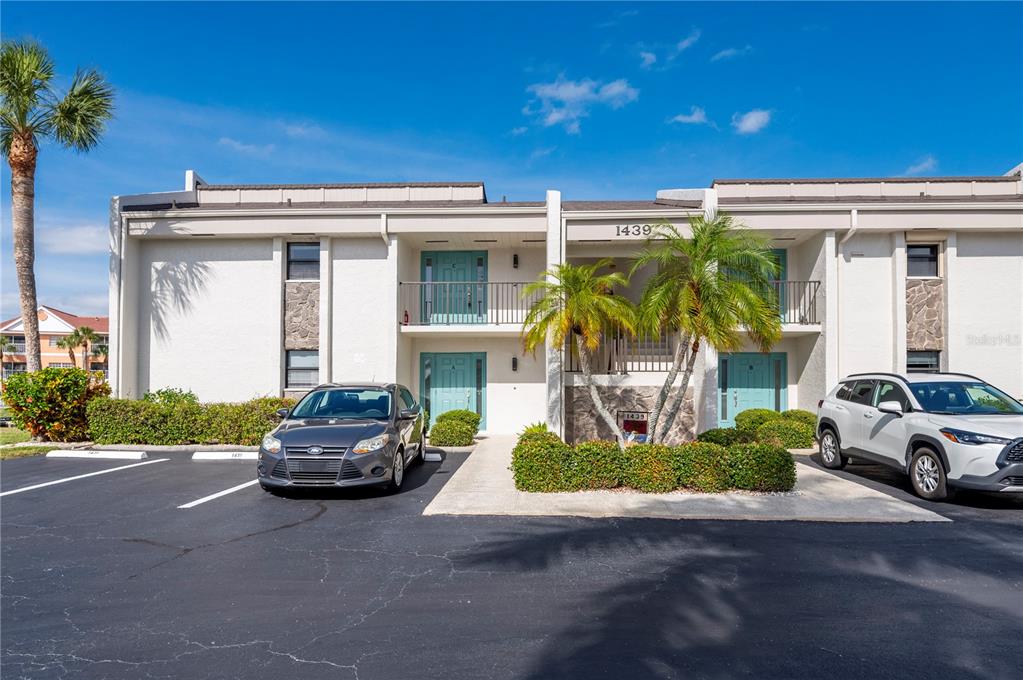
945, 430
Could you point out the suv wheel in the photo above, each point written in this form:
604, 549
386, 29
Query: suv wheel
927, 475
831, 453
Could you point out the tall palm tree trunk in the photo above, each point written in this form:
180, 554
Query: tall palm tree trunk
85, 356
584, 364
679, 400
22, 158
662, 396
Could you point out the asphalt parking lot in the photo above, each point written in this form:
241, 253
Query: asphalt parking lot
106, 576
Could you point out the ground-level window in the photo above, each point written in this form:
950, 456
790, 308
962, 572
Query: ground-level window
61, 364
302, 368
304, 261
922, 260
919, 361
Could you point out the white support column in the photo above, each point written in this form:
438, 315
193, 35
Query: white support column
705, 393
326, 307
280, 266
831, 299
951, 272
555, 373
899, 302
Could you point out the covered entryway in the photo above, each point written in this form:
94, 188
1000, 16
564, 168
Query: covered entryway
750, 380
453, 380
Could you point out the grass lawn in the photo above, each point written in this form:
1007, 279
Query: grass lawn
12, 435
22, 451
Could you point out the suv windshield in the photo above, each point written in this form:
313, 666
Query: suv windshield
345, 403
958, 398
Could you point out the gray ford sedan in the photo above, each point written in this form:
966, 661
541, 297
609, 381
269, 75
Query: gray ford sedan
343, 435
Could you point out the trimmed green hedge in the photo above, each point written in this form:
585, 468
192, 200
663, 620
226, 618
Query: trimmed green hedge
787, 432
799, 415
174, 421
702, 466
724, 436
452, 432
51, 403
761, 467
752, 418
650, 468
470, 418
595, 465
539, 462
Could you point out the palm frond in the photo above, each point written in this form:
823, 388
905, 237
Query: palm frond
78, 120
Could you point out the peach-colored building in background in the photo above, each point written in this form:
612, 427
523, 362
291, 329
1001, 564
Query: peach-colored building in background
54, 324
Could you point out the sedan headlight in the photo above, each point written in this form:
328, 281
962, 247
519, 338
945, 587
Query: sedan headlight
962, 437
271, 444
371, 444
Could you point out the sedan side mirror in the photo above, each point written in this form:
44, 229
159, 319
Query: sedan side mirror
893, 407
409, 413
282, 413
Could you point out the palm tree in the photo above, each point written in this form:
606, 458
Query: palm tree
708, 288
30, 111
70, 343
86, 338
577, 300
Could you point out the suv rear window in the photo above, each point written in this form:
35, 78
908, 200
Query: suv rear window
860, 392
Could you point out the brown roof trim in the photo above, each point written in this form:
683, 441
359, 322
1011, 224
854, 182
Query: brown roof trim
367, 205
660, 204
796, 200
868, 180
343, 185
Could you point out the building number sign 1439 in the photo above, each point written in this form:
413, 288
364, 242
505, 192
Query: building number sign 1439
627, 230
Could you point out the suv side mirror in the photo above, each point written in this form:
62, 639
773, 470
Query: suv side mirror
893, 407
409, 413
282, 413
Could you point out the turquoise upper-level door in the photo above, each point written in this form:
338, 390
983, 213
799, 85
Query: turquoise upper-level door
455, 289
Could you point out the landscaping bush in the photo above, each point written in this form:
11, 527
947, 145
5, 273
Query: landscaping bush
243, 423
725, 436
171, 395
594, 465
702, 466
649, 467
470, 418
452, 432
801, 416
51, 403
761, 467
752, 418
787, 432
535, 428
539, 461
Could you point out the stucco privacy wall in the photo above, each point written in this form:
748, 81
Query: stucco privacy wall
210, 322
514, 398
811, 351
583, 423
365, 286
985, 290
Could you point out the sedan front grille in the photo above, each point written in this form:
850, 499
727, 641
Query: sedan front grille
280, 470
328, 451
314, 471
350, 471
1014, 452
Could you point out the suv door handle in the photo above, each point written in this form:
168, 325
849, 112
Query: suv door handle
868, 415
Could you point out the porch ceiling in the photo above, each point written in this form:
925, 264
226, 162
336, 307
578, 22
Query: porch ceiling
473, 240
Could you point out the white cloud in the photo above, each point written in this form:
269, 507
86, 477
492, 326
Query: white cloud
688, 41
79, 240
751, 122
696, 116
617, 18
926, 164
648, 59
515, 132
731, 52
541, 153
304, 131
249, 149
565, 102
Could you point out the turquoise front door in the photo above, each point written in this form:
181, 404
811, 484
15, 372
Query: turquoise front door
453, 380
750, 380
455, 290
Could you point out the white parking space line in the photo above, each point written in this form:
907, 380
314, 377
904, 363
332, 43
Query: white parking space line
88, 474
213, 496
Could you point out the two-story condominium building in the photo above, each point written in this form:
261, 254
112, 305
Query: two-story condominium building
54, 326
234, 291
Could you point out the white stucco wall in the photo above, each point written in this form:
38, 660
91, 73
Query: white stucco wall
514, 398
985, 289
208, 317
865, 304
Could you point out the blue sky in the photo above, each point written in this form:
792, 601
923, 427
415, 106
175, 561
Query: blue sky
598, 100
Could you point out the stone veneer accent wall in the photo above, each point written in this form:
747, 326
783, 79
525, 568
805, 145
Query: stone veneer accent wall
925, 322
302, 315
582, 423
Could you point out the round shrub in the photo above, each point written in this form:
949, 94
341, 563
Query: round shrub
650, 468
594, 465
702, 466
539, 461
452, 432
470, 418
786, 432
722, 436
752, 418
761, 467
51, 403
801, 416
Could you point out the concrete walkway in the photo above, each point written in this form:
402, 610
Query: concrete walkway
483, 485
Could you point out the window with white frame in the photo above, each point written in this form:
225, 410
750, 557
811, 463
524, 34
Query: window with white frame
303, 261
302, 368
923, 361
922, 260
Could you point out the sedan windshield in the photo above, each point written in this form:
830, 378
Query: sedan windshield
345, 403
955, 398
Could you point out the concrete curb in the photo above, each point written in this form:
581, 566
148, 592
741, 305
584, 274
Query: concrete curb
225, 455
98, 455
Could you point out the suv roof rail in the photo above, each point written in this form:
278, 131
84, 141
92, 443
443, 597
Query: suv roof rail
964, 375
893, 375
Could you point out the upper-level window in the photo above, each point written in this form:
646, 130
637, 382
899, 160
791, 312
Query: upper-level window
922, 259
304, 261
923, 361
